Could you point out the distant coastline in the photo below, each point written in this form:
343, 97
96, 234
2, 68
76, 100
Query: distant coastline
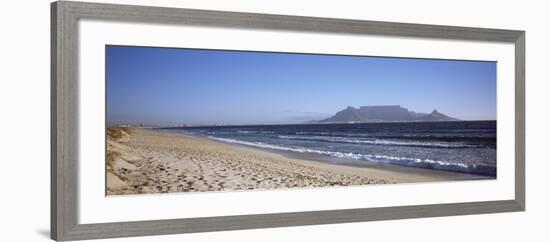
164, 126
350, 115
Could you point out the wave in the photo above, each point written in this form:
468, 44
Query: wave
246, 132
487, 139
381, 142
403, 161
445, 137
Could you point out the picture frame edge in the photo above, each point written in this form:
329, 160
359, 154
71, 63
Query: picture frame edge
258, 221
520, 176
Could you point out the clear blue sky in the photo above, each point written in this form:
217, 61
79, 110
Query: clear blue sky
174, 86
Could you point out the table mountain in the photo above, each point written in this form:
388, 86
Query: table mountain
388, 113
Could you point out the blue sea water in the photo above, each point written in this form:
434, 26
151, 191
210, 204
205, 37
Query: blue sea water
464, 146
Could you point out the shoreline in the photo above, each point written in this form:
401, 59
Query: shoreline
157, 161
444, 174
343, 162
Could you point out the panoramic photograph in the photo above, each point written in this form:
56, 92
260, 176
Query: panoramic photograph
197, 120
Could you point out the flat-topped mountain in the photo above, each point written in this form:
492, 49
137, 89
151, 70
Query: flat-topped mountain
388, 113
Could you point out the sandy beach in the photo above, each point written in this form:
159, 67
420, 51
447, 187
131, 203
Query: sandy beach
149, 161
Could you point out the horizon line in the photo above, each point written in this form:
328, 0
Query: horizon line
272, 124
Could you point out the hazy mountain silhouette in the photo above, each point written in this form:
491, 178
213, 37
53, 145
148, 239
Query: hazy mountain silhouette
389, 113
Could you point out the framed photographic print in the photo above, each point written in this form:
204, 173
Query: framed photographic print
169, 120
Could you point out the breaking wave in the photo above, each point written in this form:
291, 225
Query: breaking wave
404, 161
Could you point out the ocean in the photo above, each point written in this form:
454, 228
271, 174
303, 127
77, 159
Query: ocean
463, 146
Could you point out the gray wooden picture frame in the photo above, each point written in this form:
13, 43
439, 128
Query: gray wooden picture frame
64, 118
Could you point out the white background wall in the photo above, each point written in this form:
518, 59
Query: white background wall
24, 100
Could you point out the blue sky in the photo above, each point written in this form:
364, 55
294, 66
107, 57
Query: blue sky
175, 86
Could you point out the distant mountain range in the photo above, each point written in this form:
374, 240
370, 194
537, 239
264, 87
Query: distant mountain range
388, 113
